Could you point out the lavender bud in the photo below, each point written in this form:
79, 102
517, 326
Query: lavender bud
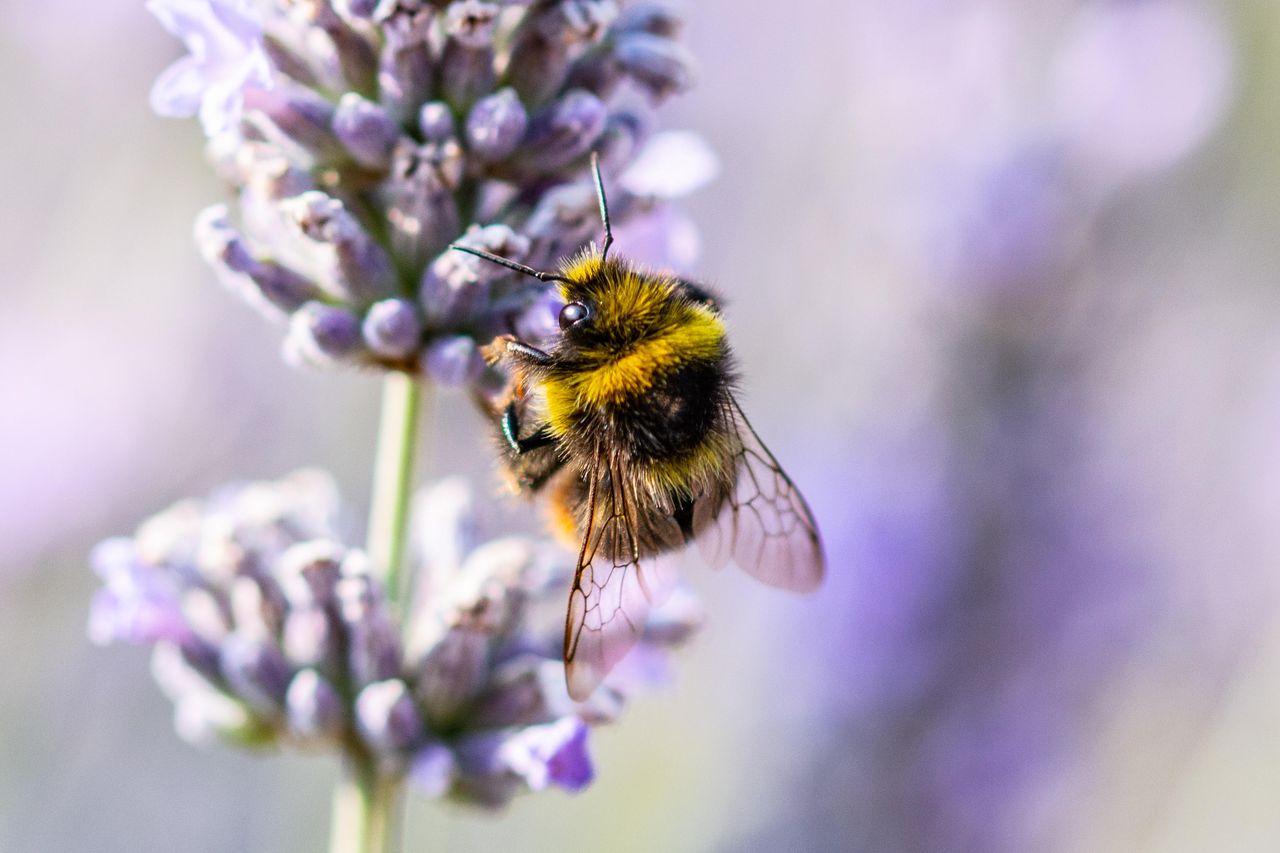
205, 615
546, 41
205, 718
392, 328
264, 284
296, 119
256, 608
256, 671
565, 131
321, 335
387, 717
453, 360
649, 18
496, 125
357, 268
314, 707
308, 572
452, 673
432, 770
356, 8
312, 638
354, 55
420, 202
435, 121
659, 65
366, 130
373, 644
455, 287
406, 72
466, 66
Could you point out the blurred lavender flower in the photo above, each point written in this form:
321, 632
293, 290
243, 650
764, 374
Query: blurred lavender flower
364, 138
267, 629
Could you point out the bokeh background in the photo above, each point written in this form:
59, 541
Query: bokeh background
1003, 284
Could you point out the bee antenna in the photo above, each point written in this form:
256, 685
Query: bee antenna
508, 263
604, 205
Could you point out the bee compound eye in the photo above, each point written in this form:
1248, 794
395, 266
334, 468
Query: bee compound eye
573, 314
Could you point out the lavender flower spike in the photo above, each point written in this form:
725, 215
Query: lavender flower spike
269, 630
364, 138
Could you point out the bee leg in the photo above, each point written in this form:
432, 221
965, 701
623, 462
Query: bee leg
528, 353
511, 431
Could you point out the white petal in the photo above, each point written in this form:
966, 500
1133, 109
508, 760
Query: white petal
672, 163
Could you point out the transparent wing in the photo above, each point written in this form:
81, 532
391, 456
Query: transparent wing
763, 523
614, 587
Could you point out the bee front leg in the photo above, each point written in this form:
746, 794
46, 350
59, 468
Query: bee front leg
533, 355
511, 431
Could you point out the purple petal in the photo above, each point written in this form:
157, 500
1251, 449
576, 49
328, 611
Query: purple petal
555, 753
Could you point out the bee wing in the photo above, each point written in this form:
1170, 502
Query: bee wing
613, 587
763, 524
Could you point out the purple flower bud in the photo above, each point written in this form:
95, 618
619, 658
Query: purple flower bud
356, 268
356, 8
256, 671
314, 707
296, 119
432, 770
659, 65
366, 130
548, 38
466, 66
373, 643
267, 286
406, 72
496, 125
453, 360
312, 638
392, 328
387, 717
566, 131
308, 572
551, 754
652, 18
435, 121
207, 717
420, 202
451, 674
321, 335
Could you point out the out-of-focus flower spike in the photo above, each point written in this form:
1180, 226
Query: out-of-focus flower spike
466, 63
365, 130
564, 132
452, 673
393, 329
323, 335
357, 269
388, 718
406, 70
313, 706
205, 718
496, 125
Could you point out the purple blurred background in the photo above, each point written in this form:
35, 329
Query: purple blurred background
1001, 278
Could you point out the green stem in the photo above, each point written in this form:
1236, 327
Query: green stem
364, 802
363, 809
393, 478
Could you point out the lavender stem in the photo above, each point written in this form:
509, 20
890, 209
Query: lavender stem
363, 808
393, 478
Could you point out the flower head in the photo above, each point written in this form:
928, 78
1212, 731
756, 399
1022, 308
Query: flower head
364, 138
267, 628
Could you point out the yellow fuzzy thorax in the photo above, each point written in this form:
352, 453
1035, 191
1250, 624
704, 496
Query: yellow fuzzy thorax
652, 333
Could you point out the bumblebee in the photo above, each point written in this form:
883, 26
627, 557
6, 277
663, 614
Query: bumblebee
629, 425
